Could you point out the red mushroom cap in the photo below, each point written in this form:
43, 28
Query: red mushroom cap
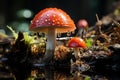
52, 18
82, 23
76, 42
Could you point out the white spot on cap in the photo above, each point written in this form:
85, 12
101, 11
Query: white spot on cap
63, 17
48, 23
37, 20
46, 20
56, 19
47, 15
42, 22
31, 22
41, 19
53, 24
58, 22
53, 20
54, 15
81, 39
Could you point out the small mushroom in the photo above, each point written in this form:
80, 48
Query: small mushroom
82, 26
76, 43
52, 21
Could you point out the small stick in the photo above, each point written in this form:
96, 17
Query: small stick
97, 18
116, 23
99, 24
98, 30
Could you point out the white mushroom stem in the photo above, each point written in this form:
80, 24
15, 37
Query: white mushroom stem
81, 32
51, 42
77, 53
51, 39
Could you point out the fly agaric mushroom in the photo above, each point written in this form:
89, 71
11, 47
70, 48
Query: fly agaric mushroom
76, 43
52, 21
82, 26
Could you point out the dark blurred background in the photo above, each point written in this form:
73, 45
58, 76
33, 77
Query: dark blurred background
19, 13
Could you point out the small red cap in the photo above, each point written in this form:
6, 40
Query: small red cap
82, 23
76, 42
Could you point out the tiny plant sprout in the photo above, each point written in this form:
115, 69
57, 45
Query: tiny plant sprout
76, 43
51, 21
